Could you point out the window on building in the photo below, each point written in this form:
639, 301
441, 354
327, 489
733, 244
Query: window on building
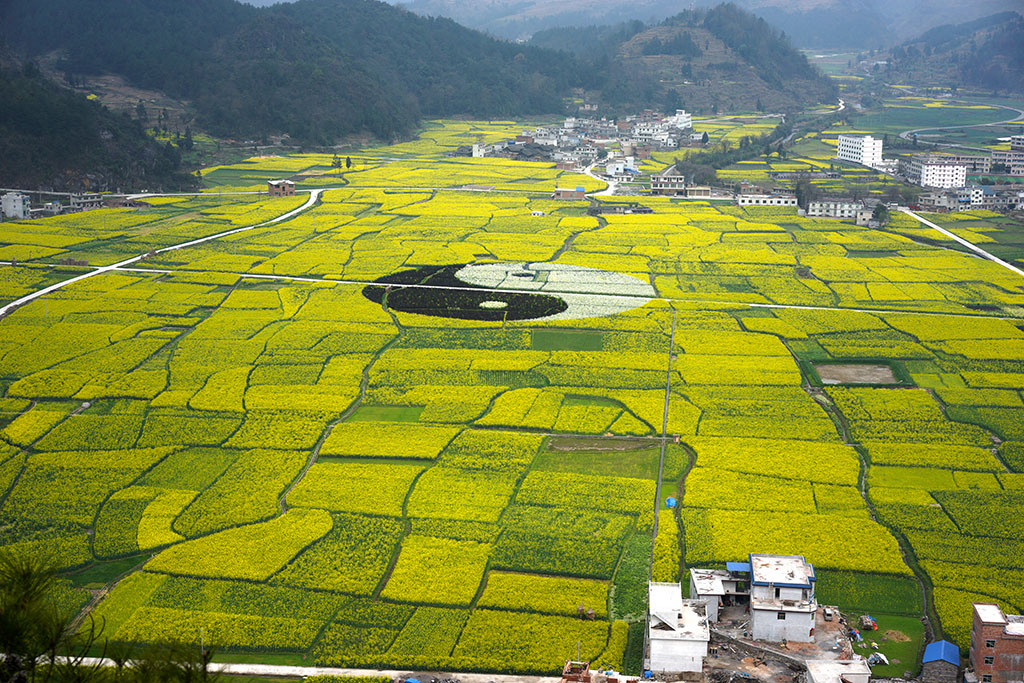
990, 643
781, 616
990, 660
778, 593
986, 678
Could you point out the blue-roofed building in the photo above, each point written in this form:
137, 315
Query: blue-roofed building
941, 663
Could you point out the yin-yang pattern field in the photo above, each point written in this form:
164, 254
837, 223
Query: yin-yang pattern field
234, 437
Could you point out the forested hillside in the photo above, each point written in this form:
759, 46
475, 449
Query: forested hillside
986, 53
704, 60
53, 138
315, 69
318, 70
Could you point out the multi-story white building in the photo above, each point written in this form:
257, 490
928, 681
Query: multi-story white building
860, 149
944, 174
681, 119
1012, 158
15, 205
677, 630
834, 208
782, 602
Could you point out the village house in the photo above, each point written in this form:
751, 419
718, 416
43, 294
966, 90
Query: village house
677, 630
569, 194
782, 602
834, 208
941, 663
779, 588
997, 644
668, 182
15, 206
86, 202
280, 188
721, 587
777, 199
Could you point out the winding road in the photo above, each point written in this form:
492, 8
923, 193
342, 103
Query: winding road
906, 135
314, 195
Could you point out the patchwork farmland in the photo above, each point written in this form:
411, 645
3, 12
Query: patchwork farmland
341, 439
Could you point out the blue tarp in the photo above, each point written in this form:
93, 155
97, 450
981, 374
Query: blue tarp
670, 503
942, 650
738, 566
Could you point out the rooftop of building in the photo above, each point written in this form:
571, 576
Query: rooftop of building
673, 618
989, 613
782, 570
709, 581
942, 650
833, 670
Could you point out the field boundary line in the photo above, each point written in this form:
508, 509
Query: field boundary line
668, 300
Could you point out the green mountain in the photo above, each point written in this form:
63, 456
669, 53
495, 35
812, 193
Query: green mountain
316, 69
723, 59
51, 137
985, 53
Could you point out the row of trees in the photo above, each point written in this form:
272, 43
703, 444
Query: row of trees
43, 642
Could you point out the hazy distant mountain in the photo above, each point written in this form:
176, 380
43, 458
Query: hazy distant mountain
856, 24
984, 53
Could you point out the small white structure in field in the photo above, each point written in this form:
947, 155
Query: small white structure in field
837, 671
782, 602
677, 630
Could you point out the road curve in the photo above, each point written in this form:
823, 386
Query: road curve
314, 195
1020, 116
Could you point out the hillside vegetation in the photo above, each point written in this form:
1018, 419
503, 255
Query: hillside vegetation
53, 138
704, 60
315, 69
986, 53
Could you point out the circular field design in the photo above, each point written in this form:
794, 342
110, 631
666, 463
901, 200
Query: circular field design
510, 291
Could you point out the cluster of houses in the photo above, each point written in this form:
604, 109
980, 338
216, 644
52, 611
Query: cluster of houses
582, 141
18, 205
774, 597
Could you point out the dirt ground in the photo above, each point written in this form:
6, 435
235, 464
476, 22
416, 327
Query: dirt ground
855, 373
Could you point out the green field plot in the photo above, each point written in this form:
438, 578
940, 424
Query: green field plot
418, 427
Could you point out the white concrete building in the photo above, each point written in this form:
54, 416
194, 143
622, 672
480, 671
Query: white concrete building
944, 174
479, 150
838, 671
766, 200
717, 587
864, 150
15, 205
782, 602
86, 201
681, 119
834, 208
677, 630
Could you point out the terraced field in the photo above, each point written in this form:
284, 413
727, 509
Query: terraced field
254, 437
